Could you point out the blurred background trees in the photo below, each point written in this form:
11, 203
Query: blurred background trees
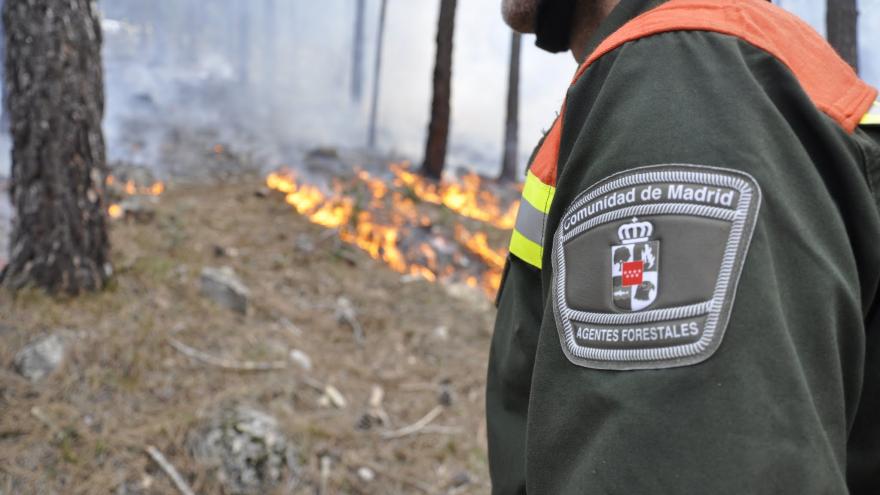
377, 77
438, 128
278, 75
510, 159
842, 25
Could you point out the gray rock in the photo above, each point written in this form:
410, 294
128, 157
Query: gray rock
301, 359
247, 450
461, 479
223, 286
305, 244
40, 358
366, 474
140, 209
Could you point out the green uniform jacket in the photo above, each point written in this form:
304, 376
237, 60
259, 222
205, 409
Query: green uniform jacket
789, 401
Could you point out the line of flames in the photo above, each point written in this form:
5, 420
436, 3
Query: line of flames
468, 198
130, 188
358, 225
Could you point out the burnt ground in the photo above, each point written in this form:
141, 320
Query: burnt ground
122, 386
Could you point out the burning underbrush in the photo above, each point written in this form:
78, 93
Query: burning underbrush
439, 232
132, 192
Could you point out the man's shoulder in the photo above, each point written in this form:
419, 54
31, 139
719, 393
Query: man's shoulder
712, 44
681, 79
692, 97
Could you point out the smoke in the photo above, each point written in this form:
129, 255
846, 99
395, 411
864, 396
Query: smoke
275, 81
278, 79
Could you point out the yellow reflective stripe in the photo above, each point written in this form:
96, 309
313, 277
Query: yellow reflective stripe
870, 119
537, 193
530, 223
873, 115
526, 250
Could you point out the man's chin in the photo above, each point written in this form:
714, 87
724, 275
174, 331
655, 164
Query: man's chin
520, 14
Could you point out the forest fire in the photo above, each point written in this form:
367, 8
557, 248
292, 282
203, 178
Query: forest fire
121, 189
467, 198
390, 222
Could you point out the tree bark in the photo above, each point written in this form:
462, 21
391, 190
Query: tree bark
842, 25
54, 84
511, 129
377, 80
357, 53
438, 129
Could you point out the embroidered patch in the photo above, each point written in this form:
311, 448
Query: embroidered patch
617, 306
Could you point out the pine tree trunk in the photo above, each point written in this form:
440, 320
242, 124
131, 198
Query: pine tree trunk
511, 129
357, 53
377, 72
438, 129
54, 84
842, 25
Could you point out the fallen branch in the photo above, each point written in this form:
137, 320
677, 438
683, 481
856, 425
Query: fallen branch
326, 464
442, 430
222, 362
415, 427
169, 470
315, 384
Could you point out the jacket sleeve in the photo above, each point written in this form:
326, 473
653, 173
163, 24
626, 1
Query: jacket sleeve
771, 409
863, 453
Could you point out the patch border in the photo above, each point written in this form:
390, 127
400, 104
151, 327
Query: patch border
716, 310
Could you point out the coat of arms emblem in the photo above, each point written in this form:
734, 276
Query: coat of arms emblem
635, 266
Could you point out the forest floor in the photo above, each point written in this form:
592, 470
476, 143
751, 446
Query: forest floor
123, 386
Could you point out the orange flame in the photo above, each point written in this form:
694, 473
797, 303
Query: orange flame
115, 211
381, 239
132, 189
468, 198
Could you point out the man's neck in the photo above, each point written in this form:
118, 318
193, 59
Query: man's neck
588, 14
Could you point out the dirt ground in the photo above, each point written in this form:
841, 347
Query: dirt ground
83, 429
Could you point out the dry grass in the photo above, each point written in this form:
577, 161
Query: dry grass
83, 429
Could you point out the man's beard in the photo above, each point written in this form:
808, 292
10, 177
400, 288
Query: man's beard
520, 14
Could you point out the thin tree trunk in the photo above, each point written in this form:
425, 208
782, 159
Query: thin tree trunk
357, 53
438, 129
511, 128
54, 84
377, 80
842, 25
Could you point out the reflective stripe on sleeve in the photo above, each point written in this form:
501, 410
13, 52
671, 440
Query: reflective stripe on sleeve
873, 115
526, 250
527, 241
537, 193
530, 222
